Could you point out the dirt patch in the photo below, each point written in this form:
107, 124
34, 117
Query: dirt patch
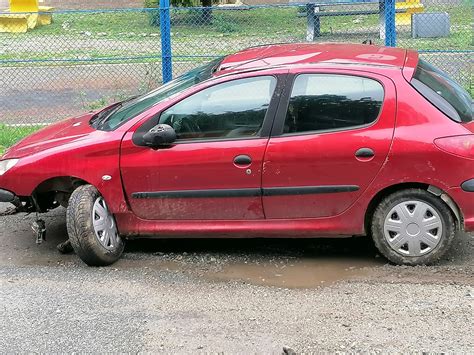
97, 4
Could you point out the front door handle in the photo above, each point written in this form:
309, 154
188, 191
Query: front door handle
242, 160
364, 153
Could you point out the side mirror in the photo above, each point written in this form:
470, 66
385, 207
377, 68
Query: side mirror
161, 135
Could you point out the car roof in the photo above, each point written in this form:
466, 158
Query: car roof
293, 54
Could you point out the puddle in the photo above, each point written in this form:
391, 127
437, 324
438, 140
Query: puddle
302, 273
292, 263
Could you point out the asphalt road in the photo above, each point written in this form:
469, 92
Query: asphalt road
230, 296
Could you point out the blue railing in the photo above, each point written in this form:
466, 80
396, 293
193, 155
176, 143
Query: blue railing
386, 12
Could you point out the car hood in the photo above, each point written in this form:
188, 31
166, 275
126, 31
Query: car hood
470, 126
61, 133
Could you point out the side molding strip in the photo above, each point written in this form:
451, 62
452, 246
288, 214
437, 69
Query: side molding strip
307, 190
252, 192
200, 193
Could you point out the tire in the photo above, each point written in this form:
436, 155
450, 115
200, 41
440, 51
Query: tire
95, 246
413, 227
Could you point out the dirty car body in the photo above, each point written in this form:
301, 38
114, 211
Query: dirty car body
293, 140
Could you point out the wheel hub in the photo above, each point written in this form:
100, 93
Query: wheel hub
413, 228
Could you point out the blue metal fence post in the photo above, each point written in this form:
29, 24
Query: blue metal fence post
165, 29
390, 29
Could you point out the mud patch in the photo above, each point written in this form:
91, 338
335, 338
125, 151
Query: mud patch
304, 273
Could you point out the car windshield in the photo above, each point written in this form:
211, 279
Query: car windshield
119, 113
447, 89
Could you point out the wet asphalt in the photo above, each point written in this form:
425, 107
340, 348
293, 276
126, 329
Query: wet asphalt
233, 296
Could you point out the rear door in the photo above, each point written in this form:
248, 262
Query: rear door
331, 137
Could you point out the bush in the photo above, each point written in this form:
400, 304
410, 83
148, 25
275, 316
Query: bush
224, 25
151, 3
206, 14
153, 16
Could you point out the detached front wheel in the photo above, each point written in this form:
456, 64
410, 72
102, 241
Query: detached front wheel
92, 229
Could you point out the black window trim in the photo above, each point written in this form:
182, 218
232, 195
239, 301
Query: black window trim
267, 125
280, 118
436, 100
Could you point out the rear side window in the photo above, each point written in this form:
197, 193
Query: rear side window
321, 102
443, 92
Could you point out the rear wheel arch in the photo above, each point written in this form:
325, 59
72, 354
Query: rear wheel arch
453, 207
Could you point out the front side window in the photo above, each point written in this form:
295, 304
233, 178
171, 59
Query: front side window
232, 109
321, 102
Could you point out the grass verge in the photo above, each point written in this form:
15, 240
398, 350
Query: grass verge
128, 34
10, 135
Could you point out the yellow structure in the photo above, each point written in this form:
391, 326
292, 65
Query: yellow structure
411, 7
24, 5
24, 15
17, 23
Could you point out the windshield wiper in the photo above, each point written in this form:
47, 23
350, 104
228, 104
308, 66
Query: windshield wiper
101, 117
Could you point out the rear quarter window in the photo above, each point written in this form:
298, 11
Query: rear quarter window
443, 92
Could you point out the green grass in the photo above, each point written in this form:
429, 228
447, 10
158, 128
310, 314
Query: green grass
118, 34
10, 135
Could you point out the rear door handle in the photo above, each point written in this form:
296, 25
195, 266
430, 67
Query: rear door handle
364, 153
242, 160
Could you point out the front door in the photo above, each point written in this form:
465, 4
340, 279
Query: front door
330, 139
214, 169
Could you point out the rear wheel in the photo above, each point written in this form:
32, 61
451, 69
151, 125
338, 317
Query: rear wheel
92, 229
413, 227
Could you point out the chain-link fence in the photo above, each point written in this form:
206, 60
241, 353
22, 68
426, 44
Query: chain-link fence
57, 64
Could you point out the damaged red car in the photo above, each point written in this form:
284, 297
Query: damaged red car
291, 140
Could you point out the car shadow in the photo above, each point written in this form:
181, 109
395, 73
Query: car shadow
359, 247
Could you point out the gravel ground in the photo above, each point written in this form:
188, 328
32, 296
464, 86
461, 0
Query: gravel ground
96, 4
195, 296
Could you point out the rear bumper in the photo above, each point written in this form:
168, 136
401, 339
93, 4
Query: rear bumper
465, 201
469, 225
7, 196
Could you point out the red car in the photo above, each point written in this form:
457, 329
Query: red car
291, 140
